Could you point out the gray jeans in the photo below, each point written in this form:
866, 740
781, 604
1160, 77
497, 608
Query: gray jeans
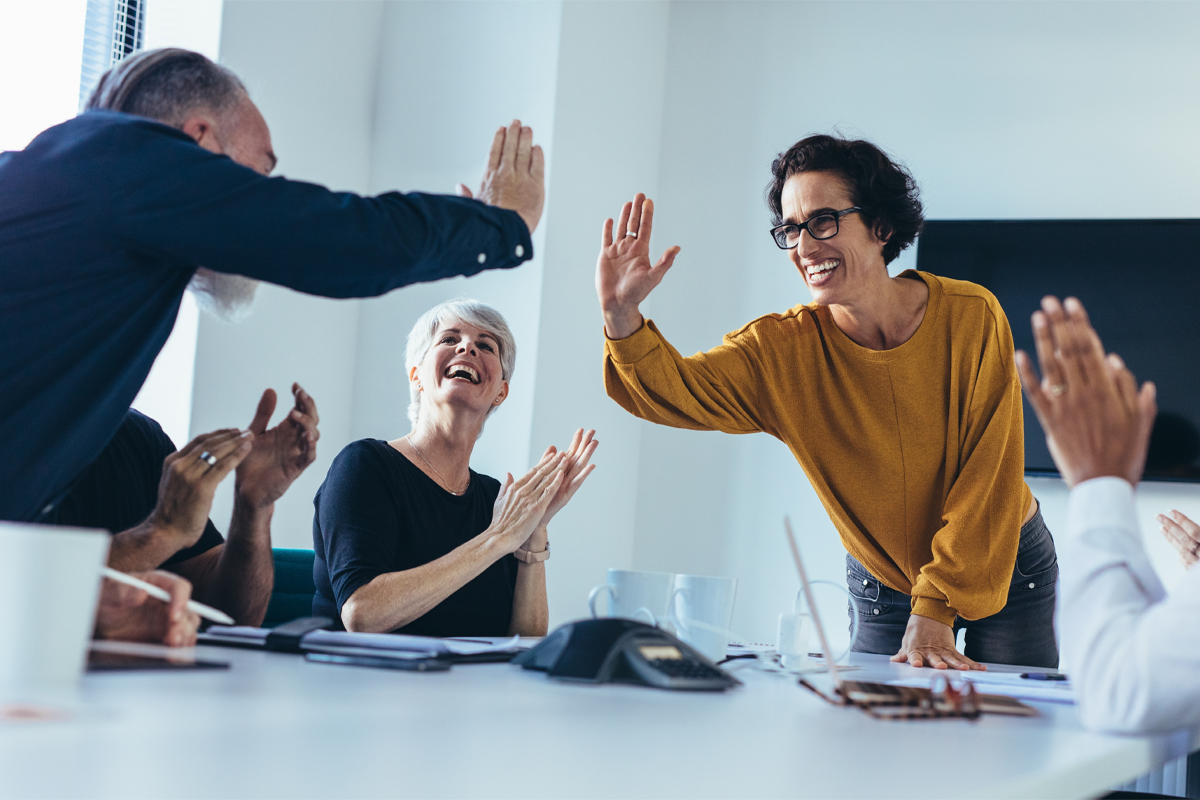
1021, 633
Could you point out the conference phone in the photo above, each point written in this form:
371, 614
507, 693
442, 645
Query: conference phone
614, 650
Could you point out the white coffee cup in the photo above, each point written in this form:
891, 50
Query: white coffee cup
702, 610
49, 585
635, 594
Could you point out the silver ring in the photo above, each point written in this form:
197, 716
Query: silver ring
1058, 389
631, 233
208, 458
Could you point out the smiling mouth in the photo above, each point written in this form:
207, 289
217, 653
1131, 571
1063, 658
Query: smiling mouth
822, 269
462, 372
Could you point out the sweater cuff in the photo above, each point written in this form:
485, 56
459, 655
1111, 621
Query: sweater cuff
934, 609
633, 348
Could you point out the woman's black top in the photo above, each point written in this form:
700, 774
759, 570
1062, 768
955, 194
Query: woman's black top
377, 512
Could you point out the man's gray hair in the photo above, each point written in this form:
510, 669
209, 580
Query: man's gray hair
461, 309
167, 85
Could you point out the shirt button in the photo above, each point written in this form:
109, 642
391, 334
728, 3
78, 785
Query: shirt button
482, 258
520, 251
1032, 585
866, 582
875, 611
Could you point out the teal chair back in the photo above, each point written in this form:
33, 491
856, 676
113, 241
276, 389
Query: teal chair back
294, 587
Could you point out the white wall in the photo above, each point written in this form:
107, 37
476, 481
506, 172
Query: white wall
607, 124
312, 72
449, 76
1001, 110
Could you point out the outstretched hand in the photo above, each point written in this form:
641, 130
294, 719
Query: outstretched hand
1097, 422
515, 177
280, 454
624, 274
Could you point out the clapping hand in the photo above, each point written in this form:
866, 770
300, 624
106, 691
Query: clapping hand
1183, 534
624, 274
189, 480
515, 177
521, 505
280, 454
576, 469
1096, 420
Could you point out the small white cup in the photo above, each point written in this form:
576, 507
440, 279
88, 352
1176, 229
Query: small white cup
792, 640
49, 585
635, 594
702, 610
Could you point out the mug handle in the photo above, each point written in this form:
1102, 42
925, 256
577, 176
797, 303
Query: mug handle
675, 619
813, 613
648, 613
596, 592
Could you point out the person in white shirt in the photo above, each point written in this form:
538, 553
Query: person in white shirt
1134, 652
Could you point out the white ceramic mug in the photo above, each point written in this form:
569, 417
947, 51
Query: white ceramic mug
635, 594
702, 610
49, 584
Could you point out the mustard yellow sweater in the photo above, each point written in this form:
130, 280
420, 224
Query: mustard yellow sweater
917, 452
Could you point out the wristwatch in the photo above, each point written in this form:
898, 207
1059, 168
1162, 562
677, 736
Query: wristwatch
532, 558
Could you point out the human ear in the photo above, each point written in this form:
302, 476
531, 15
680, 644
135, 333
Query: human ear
203, 132
413, 378
500, 397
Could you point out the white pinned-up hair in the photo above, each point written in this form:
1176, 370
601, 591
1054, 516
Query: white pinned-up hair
461, 309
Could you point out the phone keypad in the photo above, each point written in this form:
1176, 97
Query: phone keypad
683, 668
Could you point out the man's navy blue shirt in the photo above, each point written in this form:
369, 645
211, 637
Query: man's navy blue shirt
103, 221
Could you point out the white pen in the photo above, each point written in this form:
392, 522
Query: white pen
208, 612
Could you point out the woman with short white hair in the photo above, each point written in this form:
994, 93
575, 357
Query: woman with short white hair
408, 537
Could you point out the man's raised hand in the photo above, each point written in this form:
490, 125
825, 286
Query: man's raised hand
279, 454
624, 274
515, 176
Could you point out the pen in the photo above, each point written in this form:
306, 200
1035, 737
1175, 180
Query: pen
1044, 676
208, 612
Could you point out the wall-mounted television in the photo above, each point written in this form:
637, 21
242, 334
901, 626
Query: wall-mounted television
1140, 282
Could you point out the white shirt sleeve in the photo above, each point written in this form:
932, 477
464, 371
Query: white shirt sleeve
1134, 652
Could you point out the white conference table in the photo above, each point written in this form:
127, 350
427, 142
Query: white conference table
275, 725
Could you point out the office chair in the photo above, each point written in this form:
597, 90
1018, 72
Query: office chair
293, 593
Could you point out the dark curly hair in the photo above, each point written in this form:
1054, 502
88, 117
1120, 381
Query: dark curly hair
884, 190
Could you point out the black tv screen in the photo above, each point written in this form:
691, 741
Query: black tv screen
1140, 282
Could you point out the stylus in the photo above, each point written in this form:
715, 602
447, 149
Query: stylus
208, 612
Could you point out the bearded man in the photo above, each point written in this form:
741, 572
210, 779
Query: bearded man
105, 219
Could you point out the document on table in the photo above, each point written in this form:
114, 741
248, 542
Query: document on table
375, 643
398, 642
1008, 684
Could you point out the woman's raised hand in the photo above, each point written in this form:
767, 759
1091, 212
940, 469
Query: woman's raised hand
624, 274
521, 504
1183, 534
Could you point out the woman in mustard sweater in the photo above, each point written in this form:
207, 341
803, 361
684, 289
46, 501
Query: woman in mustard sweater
898, 396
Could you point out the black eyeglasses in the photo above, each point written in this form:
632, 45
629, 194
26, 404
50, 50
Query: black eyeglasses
822, 226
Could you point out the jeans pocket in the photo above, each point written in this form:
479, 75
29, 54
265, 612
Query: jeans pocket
1037, 560
871, 597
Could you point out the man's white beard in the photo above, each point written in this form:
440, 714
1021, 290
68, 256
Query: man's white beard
227, 297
